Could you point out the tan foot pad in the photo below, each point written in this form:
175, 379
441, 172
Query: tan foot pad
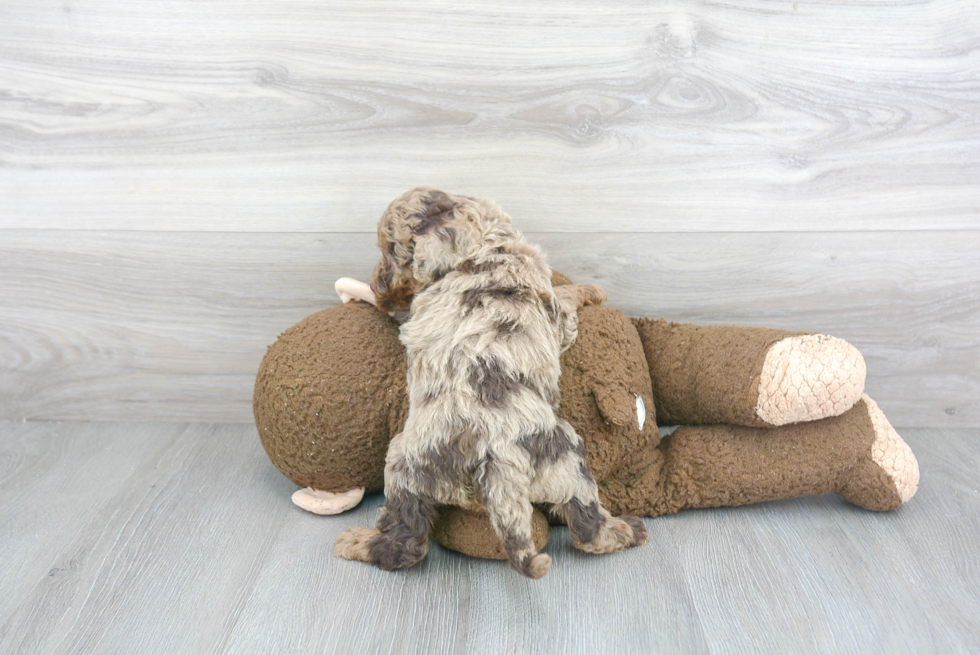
809, 377
325, 502
892, 454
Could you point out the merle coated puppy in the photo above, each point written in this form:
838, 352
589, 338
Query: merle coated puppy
484, 337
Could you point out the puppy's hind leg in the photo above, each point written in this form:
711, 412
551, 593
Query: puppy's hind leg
503, 490
563, 479
400, 539
401, 536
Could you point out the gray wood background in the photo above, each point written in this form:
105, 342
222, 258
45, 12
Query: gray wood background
181, 181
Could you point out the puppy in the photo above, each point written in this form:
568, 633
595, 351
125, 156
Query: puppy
483, 339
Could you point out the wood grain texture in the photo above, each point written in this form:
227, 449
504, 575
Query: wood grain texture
177, 532
179, 182
576, 116
838, 579
182, 538
170, 326
66, 468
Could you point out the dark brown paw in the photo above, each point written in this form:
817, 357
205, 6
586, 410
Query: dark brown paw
612, 536
391, 551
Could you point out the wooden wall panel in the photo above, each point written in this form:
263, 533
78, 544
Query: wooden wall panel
173, 325
180, 181
576, 116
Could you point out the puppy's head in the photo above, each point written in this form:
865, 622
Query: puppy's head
422, 236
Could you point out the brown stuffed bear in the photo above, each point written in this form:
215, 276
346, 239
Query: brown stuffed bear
778, 414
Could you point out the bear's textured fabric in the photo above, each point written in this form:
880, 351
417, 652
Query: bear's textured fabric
331, 394
326, 407
469, 531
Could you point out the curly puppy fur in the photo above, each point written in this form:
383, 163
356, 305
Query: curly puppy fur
484, 338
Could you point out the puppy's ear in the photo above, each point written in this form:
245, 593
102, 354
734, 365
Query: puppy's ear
393, 287
392, 281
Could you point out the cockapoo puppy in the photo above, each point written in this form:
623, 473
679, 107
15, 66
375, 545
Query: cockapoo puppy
483, 339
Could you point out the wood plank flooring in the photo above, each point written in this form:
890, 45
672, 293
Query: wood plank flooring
181, 538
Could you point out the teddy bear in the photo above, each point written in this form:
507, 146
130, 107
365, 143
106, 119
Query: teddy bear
765, 414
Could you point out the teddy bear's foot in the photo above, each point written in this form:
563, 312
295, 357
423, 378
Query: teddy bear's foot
469, 531
889, 476
809, 377
325, 502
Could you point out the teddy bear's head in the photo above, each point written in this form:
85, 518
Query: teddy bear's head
330, 395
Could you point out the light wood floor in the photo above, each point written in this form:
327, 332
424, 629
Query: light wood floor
181, 538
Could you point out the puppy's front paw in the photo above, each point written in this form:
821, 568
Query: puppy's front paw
355, 544
640, 535
592, 295
614, 535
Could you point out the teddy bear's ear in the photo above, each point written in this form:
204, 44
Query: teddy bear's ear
616, 404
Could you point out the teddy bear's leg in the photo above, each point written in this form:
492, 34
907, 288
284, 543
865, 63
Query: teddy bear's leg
563, 479
857, 455
468, 530
705, 374
891, 461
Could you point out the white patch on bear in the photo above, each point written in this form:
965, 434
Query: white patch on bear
641, 411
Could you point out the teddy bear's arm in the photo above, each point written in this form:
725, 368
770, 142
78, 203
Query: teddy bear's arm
350, 289
564, 305
326, 503
705, 374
